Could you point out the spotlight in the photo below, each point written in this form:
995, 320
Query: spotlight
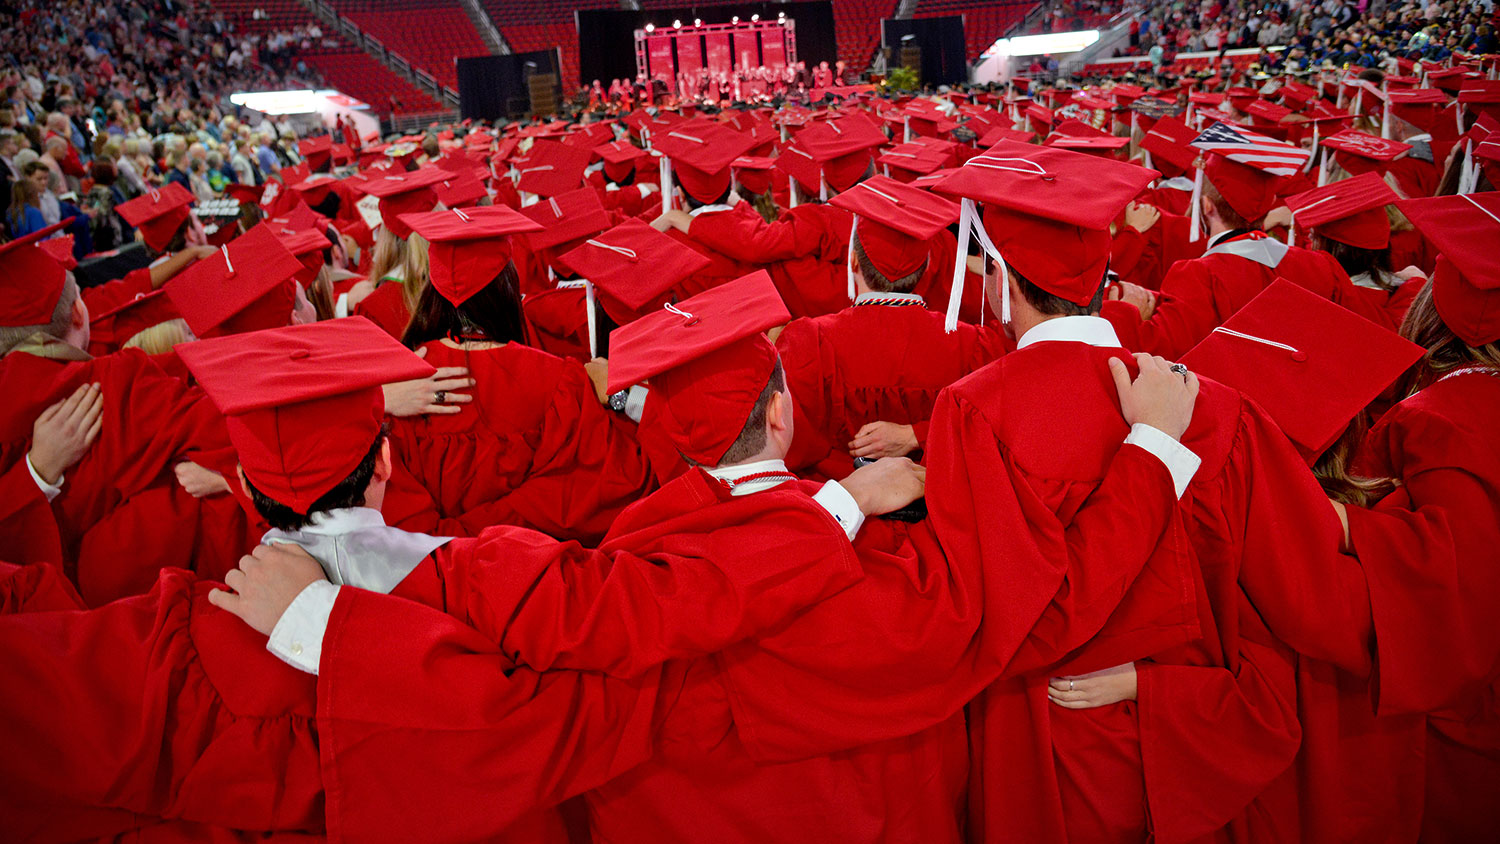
697, 21
650, 27
735, 19
754, 18
677, 24
780, 15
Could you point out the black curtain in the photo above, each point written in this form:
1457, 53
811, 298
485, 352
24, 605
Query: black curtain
497, 86
942, 42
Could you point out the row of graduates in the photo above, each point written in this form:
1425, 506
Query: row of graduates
1066, 256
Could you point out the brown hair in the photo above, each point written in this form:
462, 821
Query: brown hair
1446, 351
752, 438
876, 280
1332, 469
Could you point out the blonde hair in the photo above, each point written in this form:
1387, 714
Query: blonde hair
160, 338
408, 256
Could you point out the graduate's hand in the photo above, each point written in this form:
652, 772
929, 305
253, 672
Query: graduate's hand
883, 439
1158, 397
673, 219
64, 432
1412, 271
886, 485
1134, 294
198, 481
1101, 688
1141, 216
431, 395
267, 581
1279, 216
598, 370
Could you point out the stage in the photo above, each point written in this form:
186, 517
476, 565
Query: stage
719, 49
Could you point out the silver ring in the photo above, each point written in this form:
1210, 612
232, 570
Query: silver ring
1180, 369
1070, 685
440, 396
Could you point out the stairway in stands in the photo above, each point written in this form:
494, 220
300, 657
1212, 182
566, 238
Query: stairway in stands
341, 64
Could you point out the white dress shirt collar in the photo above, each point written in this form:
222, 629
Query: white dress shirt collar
1095, 331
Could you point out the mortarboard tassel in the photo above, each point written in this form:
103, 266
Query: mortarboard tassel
666, 184
1196, 206
849, 259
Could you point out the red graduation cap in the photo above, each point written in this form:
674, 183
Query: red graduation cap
1296, 94
1005, 133
634, 267
404, 193
566, 217
303, 404
621, 158
843, 149
590, 136
247, 286
1360, 152
1350, 211
158, 213
753, 172
115, 327
1241, 97
1482, 95
31, 279
708, 362
1078, 129
1466, 283
61, 249
295, 174
317, 152
1169, 141
468, 247
1126, 93
461, 189
550, 168
1424, 108
701, 153
1106, 145
1452, 79
246, 194
894, 224
918, 158
1312, 364
307, 246
1047, 214
314, 189
1267, 114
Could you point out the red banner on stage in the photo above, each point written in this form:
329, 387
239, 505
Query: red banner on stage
659, 50
689, 53
720, 59
773, 51
747, 49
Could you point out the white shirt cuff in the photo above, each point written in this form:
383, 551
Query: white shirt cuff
341, 307
841, 506
635, 403
297, 637
1179, 459
646, 189
50, 490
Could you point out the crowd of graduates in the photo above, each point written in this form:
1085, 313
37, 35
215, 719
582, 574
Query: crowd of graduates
1092, 463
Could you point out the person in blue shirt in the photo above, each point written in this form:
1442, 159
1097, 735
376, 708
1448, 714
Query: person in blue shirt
25, 213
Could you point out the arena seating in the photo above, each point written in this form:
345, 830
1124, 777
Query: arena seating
344, 67
445, 32
530, 25
983, 21
359, 74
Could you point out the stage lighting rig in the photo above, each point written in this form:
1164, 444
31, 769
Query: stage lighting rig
677, 24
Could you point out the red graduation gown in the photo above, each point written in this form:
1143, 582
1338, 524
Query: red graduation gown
870, 363
122, 493
1207, 747
1441, 444
804, 251
534, 449
1198, 295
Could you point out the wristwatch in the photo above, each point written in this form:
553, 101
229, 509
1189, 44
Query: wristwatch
617, 401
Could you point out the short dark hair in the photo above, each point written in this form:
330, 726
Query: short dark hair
877, 280
752, 438
1051, 304
694, 202
350, 492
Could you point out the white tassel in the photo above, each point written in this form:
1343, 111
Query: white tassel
1323, 170
960, 265
1147, 154
1291, 233
666, 184
1196, 205
849, 259
791, 186
822, 187
1314, 156
1385, 122
588, 302
906, 134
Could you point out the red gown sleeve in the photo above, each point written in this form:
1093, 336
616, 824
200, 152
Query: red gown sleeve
682, 585
1184, 314
28, 529
803, 362
113, 294
747, 238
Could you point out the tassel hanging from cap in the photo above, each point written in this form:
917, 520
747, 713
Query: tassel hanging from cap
968, 227
593, 318
666, 184
822, 187
1196, 206
849, 259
